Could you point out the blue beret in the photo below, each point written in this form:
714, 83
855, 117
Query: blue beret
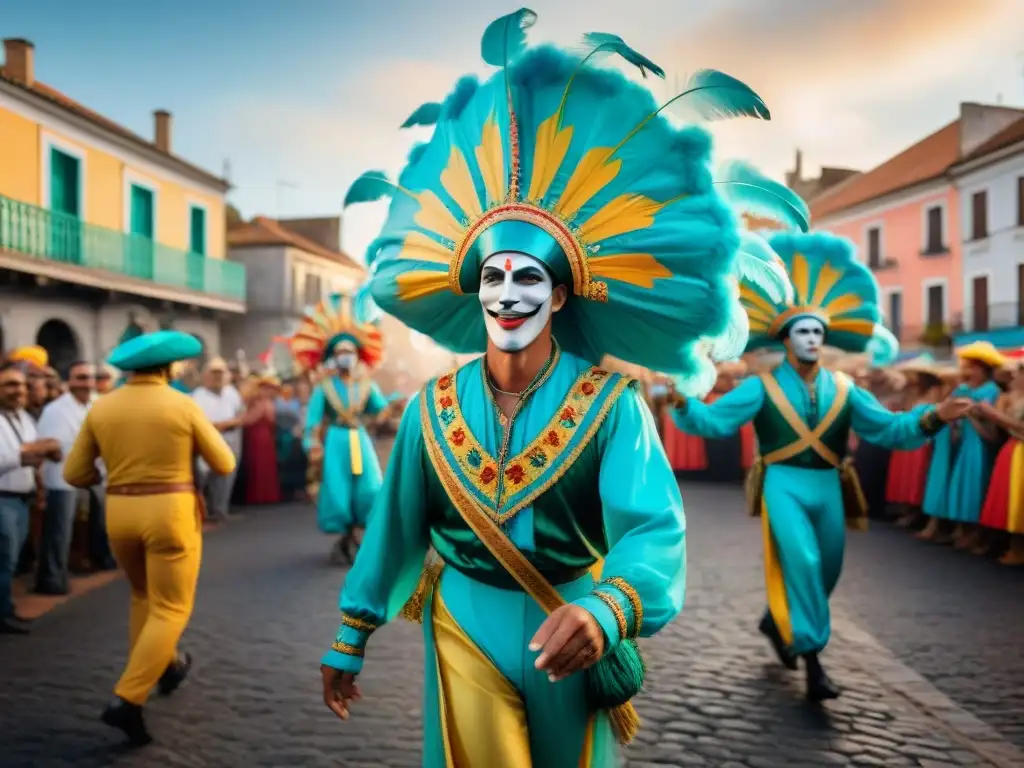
152, 349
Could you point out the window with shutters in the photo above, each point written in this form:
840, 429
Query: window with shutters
874, 247
979, 215
936, 305
894, 313
979, 303
1020, 201
934, 236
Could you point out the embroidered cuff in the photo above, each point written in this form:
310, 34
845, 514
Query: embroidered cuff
605, 616
349, 644
636, 608
930, 423
342, 661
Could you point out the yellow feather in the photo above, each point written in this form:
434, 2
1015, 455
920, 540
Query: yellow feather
828, 276
548, 155
639, 269
420, 283
421, 247
589, 177
490, 157
800, 276
434, 216
626, 213
458, 183
840, 305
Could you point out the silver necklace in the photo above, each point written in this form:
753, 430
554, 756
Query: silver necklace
495, 388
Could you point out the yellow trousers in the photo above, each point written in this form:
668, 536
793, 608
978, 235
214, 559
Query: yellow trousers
157, 541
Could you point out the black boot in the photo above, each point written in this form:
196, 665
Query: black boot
340, 554
128, 718
175, 674
768, 628
819, 686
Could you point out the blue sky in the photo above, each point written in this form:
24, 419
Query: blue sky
311, 92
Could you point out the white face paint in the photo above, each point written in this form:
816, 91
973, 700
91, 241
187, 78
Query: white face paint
516, 292
806, 337
345, 356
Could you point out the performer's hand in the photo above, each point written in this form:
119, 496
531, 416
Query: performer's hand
569, 640
953, 408
339, 689
316, 454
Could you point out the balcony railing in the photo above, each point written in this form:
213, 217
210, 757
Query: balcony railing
64, 239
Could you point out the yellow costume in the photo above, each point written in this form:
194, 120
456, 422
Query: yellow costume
146, 433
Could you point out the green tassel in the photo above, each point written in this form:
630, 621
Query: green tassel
617, 677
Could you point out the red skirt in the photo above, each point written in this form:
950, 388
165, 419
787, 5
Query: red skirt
908, 473
259, 452
685, 452
748, 445
1004, 503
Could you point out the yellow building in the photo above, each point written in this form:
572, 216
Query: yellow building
108, 230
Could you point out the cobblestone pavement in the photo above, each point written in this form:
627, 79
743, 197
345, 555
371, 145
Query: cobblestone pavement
267, 607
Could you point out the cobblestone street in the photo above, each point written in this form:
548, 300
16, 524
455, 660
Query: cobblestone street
919, 633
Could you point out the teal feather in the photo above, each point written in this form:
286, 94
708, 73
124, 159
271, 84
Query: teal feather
748, 191
425, 114
369, 188
759, 265
713, 95
505, 38
603, 42
364, 308
883, 347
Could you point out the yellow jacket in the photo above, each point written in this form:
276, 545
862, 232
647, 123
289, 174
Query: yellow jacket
145, 432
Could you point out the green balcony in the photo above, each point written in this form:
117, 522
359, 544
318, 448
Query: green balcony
62, 239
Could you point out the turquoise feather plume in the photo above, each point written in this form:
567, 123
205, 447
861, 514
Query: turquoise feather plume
749, 191
602, 42
364, 308
425, 114
369, 188
883, 347
505, 38
713, 95
758, 264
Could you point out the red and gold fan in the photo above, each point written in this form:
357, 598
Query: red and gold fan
337, 321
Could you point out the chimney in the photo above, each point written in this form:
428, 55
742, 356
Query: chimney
162, 132
19, 60
799, 169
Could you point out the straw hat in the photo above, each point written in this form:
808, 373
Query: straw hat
921, 364
35, 356
983, 352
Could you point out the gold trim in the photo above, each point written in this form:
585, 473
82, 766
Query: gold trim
634, 601
347, 416
348, 650
356, 623
805, 437
573, 248
616, 609
784, 317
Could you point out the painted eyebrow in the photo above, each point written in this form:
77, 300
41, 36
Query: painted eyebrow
527, 272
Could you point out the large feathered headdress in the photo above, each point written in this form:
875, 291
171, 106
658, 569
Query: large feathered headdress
336, 319
828, 284
579, 168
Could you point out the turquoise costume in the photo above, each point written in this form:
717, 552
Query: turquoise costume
350, 476
572, 165
802, 487
960, 469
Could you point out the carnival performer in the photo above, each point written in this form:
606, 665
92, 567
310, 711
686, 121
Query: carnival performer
554, 218
147, 434
963, 455
338, 335
803, 415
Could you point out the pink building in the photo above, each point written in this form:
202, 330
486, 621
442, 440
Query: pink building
903, 216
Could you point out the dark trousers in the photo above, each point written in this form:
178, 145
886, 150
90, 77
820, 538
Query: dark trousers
55, 544
13, 530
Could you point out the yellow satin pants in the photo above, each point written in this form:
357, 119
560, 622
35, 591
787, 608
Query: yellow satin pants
157, 541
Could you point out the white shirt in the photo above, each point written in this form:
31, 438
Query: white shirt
62, 421
223, 407
15, 478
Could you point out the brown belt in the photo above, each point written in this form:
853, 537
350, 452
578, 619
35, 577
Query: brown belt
159, 489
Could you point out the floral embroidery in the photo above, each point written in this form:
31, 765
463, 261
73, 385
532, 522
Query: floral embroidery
538, 459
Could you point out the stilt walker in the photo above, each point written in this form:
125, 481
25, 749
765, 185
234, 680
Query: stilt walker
554, 218
341, 338
803, 488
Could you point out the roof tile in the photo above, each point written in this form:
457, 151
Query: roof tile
263, 230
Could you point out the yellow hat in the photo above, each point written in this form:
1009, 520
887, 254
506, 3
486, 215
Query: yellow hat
34, 355
982, 352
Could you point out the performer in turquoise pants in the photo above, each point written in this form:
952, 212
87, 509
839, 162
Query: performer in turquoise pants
554, 217
961, 466
341, 336
803, 488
